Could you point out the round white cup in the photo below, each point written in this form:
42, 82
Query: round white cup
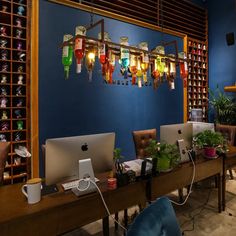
32, 190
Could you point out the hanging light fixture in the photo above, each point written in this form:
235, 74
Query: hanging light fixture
134, 61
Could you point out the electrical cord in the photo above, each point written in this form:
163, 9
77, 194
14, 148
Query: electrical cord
191, 185
192, 218
89, 181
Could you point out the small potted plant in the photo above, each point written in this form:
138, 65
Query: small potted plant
122, 178
167, 155
211, 142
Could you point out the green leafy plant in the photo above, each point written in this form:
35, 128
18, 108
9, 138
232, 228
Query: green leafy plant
117, 157
209, 138
224, 107
167, 155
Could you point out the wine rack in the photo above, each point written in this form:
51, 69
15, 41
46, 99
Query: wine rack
197, 96
14, 86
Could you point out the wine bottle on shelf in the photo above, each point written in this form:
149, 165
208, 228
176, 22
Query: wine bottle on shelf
67, 55
79, 47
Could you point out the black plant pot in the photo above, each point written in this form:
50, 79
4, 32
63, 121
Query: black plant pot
122, 179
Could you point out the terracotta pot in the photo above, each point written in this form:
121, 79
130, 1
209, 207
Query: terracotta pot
210, 151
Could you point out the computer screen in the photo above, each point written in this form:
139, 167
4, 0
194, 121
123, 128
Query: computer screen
174, 132
63, 154
201, 126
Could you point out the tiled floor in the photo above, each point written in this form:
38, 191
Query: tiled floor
198, 217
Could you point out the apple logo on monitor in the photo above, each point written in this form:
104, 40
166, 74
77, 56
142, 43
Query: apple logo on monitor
84, 147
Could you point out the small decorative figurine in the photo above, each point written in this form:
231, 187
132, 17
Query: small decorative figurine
19, 91
4, 54
19, 124
3, 102
21, 9
4, 115
19, 103
3, 43
4, 8
19, 33
18, 22
18, 136
3, 138
19, 45
3, 30
20, 79
3, 91
3, 79
20, 69
4, 68
18, 113
4, 126
21, 56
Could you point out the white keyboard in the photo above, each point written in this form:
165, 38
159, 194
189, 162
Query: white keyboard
73, 184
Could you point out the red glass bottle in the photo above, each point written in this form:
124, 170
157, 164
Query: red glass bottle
79, 47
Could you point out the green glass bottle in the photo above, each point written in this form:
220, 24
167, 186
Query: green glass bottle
67, 55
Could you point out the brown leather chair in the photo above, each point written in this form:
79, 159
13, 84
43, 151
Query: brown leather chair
229, 132
141, 140
4, 150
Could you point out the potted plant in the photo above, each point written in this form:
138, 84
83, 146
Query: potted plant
211, 142
167, 155
224, 107
122, 178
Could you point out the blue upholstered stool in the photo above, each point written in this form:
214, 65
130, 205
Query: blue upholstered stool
158, 219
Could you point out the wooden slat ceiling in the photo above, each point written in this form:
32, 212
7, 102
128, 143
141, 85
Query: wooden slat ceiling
179, 15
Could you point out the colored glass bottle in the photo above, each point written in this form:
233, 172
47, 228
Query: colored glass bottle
79, 47
133, 64
124, 56
144, 60
103, 53
183, 67
67, 55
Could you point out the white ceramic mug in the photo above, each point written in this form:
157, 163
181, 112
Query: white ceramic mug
32, 190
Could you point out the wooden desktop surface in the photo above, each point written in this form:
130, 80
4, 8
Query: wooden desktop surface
61, 212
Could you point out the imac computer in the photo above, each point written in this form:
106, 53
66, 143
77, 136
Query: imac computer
63, 155
201, 126
180, 134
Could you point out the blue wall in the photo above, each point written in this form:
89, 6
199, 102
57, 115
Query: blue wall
222, 20
76, 107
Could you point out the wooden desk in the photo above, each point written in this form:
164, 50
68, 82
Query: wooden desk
61, 212
229, 162
182, 176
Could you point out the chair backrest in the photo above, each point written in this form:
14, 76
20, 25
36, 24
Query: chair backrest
4, 150
158, 219
229, 131
142, 139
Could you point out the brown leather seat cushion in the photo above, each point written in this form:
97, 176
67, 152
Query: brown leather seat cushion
142, 139
4, 149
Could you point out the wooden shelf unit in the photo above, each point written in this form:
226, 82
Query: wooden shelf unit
15, 85
197, 87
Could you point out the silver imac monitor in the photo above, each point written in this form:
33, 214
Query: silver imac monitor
201, 126
63, 155
174, 132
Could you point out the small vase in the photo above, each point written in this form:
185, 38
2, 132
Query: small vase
210, 152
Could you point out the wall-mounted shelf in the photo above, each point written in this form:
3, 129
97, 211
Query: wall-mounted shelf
15, 85
230, 88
